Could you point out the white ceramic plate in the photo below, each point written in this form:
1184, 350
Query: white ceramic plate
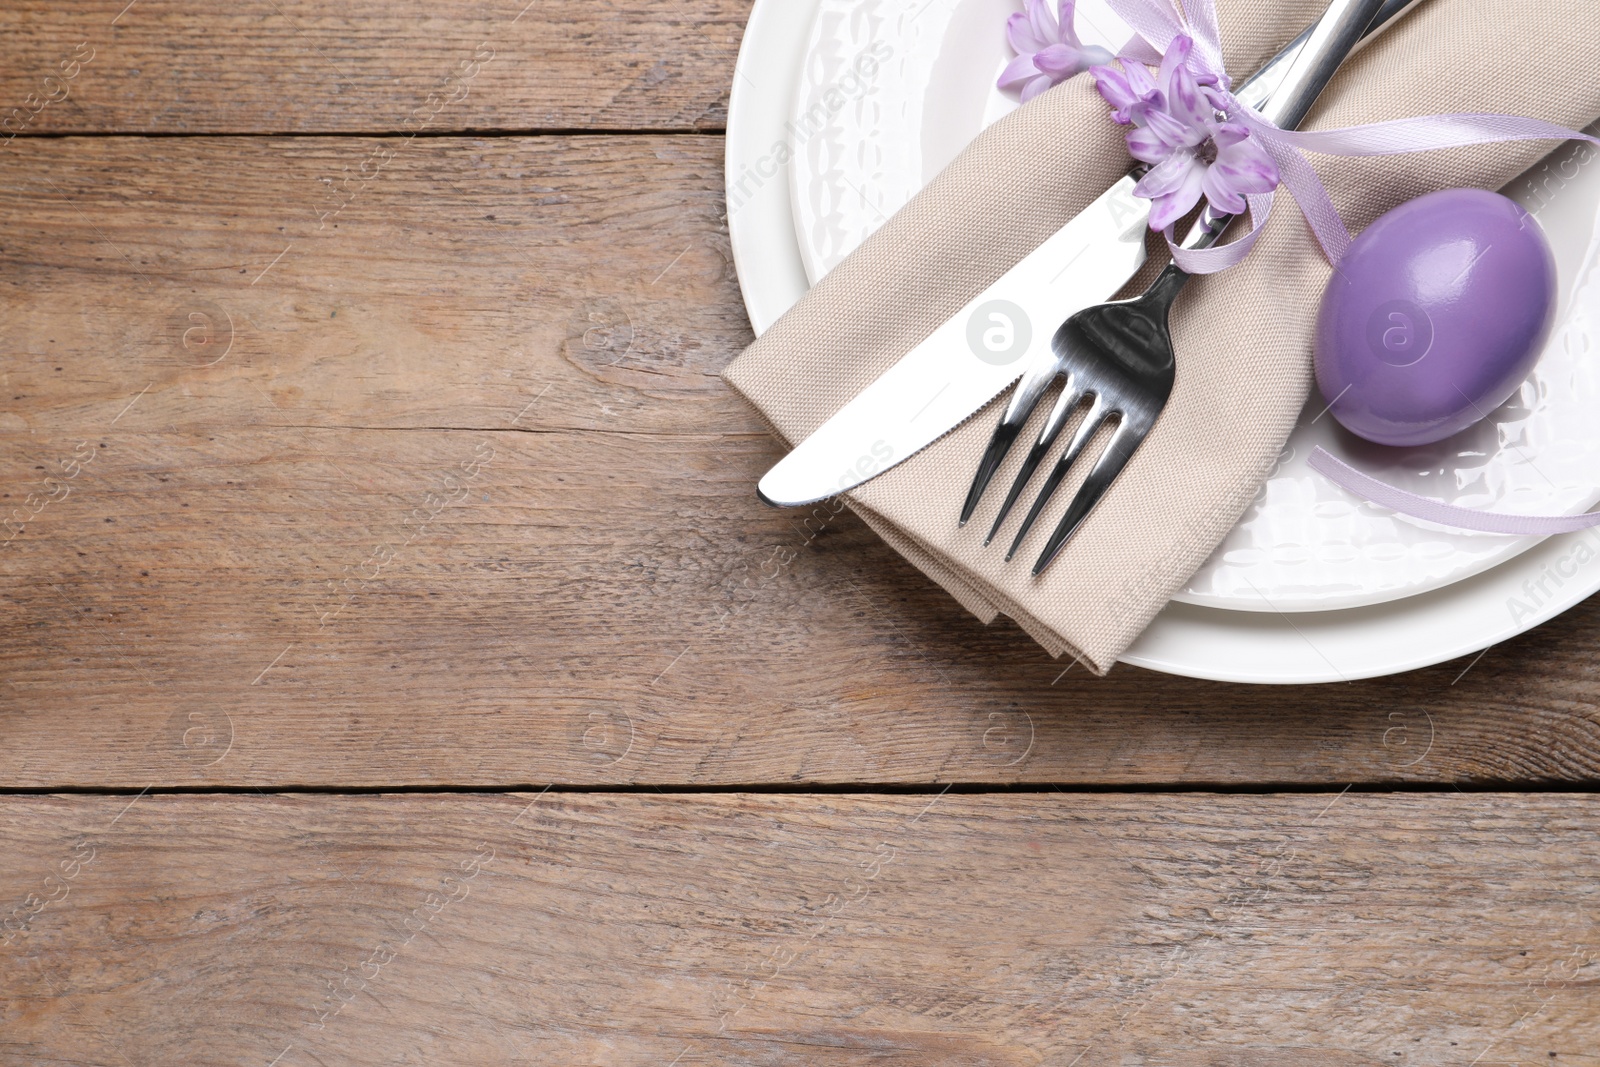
864, 145
1191, 640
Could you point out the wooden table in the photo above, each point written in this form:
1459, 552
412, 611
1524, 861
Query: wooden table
398, 667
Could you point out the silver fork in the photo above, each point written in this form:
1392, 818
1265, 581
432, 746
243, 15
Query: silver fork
1120, 354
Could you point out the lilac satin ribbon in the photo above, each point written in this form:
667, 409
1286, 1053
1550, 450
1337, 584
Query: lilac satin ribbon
1159, 22
1420, 507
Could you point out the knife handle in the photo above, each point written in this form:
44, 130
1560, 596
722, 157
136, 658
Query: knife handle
1265, 82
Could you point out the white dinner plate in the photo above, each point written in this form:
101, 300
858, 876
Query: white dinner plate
869, 135
1196, 641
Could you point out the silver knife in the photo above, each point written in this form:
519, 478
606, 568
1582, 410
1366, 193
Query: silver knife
975, 354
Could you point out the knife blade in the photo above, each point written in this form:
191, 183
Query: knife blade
970, 358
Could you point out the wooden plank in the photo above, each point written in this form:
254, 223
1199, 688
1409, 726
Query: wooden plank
330, 608
268, 66
246, 283
447, 492
1198, 931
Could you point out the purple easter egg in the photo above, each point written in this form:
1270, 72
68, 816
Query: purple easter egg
1435, 317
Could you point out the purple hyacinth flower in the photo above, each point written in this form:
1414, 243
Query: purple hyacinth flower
1179, 130
1047, 47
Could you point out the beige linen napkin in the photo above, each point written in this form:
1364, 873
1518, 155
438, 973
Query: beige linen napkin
1242, 338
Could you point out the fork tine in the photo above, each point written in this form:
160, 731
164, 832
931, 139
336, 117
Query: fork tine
1129, 436
1092, 421
1005, 435
1066, 403
1023, 400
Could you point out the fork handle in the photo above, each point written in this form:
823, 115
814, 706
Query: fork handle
1337, 34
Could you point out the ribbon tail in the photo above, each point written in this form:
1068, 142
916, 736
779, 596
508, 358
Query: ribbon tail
1373, 491
1425, 132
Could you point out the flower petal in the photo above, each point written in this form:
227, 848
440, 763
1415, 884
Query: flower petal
1128, 89
1168, 176
1145, 145
1018, 71
1214, 184
1045, 27
1177, 55
1168, 209
1019, 31
1245, 154
1035, 87
1113, 86
1096, 56
1185, 102
1228, 134
1067, 23
1060, 62
1173, 131
1247, 171
1139, 79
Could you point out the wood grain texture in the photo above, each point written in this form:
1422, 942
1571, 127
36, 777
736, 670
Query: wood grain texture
1197, 931
444, 490
357, 462
267, 66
